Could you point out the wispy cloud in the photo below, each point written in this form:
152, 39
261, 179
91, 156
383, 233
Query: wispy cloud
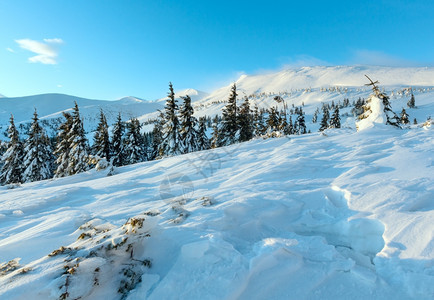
46, 51
303, 60
378, 58
10, 50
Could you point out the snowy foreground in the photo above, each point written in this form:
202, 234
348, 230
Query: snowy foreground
344, 215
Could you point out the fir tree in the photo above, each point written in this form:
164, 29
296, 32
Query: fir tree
157, 137
170, 144
415, 121
301, 124
404, 117
188, 133
215, 139
118, 152
101, 143
12, 159
272, 120
412, 102
203, 142
258, 122
325, 118
245, 122
229, 125
38, 158
290, 128
78, 155
335, 121
63, 147
315, 116
391, 117
135, 150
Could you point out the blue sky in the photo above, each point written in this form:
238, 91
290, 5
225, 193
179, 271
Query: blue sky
106, 49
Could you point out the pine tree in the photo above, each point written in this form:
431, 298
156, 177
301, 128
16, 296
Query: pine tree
12, 159
157, 137
101, 141
38, 158
215, 139
63, 147
245, 122
170, 144
229, 125
404, 117
203, 142
135, 148
272, 120
290, 127
412, 102
118, 152
78, 155
391, 117
301, 124
188, 133
335, 121
315, 116
258, 122
325, 118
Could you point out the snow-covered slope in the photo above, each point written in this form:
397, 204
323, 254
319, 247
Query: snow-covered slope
50, 107
340, 215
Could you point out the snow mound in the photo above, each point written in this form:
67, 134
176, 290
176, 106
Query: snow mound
376, 116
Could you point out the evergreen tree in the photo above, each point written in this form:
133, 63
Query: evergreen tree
245, 122
335, 121
229, 125
404, 117
415, 121
188, 133
135, 150
272, 120
118, 152
203, 142
258, 122
315, 116
157, 137
101, 142
78, 155
412, 102
215, 139
290, 127
12, 159
63, 147
391, 117
38, 158
283, 123
171, 141
301, 124
325, 118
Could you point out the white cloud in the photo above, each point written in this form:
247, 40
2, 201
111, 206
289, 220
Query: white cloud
10, 50
46, 52
59, 85
378, 58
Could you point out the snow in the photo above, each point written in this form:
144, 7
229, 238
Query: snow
343, 214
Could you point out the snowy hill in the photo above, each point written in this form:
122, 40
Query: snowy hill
50, 107
343, 215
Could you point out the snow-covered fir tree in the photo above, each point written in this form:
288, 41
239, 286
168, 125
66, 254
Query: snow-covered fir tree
38, 154
12, 159
188, 133
378, 109
290, 128
245, 122
101, 141
78, 155
135, 148
272, 120
215, 138
325, 118
118, 153
203, 142
315, 116
171, 140
335, 121
301, 124
404, 117
412, 102
258, 122
63, 146
157, 137
229, 124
